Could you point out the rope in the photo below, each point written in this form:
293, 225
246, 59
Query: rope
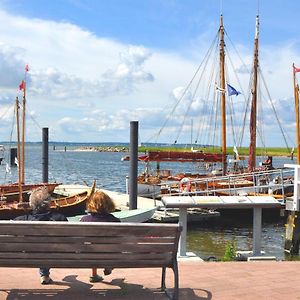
185, 90
273, 108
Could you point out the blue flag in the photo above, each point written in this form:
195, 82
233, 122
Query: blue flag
232, 90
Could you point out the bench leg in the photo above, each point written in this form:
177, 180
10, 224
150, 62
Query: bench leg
175, 294
163, 279
176, 281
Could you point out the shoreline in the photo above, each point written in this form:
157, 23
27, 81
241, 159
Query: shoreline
101, 149
143, 150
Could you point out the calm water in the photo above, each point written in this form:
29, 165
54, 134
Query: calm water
206, 240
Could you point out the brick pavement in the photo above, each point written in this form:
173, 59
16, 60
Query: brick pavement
198, 281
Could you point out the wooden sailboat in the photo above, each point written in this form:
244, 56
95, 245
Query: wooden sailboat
208, 160
14, 197
291, 245
71, 205
19, 191
161, 178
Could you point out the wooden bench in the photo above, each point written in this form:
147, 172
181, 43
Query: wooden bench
33, 244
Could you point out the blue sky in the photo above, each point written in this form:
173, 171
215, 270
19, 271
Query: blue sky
97, 65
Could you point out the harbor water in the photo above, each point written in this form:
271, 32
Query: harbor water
206, 239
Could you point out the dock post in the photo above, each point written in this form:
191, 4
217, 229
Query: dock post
292, 233
257, 220
133, 152
13, 156
183, 223
45, 153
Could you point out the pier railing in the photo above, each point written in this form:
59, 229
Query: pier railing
278, 183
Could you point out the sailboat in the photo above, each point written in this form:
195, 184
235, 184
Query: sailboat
19, 190
291, 244
214, 163
14, 197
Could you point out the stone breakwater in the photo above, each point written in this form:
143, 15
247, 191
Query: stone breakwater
103, 149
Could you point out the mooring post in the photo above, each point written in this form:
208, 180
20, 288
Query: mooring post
45, 153
133, 152
292, 233
13, 156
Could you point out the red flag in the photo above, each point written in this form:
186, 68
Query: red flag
26, 68
296, 69
22, 85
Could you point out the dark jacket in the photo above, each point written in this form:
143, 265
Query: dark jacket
42, 215
100, 217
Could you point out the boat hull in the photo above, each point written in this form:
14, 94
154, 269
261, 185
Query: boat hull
68, 205
149, 190
10, 192
135, 215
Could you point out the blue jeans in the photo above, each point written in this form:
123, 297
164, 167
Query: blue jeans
44, 271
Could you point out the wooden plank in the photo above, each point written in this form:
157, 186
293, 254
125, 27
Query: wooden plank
88, 248
38, 224
88, 256
36, 263
87, 224
95, 230
83, 239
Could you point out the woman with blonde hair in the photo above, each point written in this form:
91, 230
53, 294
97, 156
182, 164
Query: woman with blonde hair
99, 208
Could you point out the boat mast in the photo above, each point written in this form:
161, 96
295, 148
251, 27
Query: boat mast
23, 133
222, 89
252, 147
296, 94
19, 154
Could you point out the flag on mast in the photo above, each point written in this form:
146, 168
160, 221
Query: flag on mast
232, 90
22, 85
296, 70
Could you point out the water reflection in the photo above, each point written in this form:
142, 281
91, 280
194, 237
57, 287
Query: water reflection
210, 239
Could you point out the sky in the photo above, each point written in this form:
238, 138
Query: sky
95, 66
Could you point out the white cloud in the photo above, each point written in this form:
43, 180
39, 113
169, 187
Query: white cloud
88, 88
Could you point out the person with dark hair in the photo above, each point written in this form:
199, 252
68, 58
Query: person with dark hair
39, 201
99, 207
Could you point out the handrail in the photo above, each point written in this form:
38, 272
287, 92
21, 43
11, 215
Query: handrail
259, 181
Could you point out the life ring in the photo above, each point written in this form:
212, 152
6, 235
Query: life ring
185, 185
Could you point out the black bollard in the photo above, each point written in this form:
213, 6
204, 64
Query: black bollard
45, 153
133, 153
13, 157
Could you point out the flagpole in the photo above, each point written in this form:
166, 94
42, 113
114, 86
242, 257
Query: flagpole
252, 147
22, 162
23, 135
19, 154
296, 95
223, 98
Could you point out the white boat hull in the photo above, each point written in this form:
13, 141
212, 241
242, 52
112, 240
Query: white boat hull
148, 190
134, 216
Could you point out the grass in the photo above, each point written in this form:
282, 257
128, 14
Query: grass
275, 151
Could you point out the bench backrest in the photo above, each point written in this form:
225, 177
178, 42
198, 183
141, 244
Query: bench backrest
87, 244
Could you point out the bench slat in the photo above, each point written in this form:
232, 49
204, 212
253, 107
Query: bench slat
86, 256
66, 248
85, 228
36, 263
82, 239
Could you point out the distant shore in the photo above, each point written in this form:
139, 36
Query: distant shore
242, 151
102, 149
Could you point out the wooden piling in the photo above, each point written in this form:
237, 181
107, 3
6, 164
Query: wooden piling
292, 233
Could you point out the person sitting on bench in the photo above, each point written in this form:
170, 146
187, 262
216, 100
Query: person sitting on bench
39, 201
99, 207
